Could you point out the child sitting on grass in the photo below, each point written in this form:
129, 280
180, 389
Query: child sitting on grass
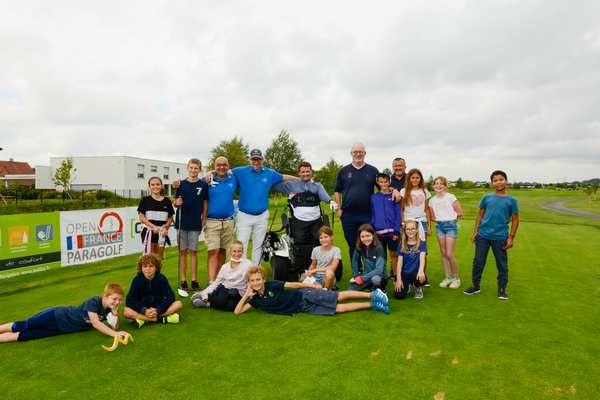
58, 320
272, 297
229, 286
150, 298
411, 262
369, 255
325, 259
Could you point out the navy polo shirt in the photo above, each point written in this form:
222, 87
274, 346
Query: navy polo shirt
277, 300
220, 196
193, 194
396, 183
356, 186
255, 187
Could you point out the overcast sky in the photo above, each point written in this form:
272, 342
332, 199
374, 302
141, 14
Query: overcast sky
458, 88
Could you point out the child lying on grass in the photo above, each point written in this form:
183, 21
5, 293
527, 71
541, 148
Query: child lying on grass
310, 298
58, 320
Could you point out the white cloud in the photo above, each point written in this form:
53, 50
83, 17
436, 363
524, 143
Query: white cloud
457, 88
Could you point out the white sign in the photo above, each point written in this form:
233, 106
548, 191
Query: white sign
93, 235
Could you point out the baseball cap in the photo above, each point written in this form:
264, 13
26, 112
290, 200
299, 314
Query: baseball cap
256, 153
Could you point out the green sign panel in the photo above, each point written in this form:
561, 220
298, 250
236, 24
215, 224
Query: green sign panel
29, 242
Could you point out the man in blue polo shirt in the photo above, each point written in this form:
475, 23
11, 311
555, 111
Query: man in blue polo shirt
255, 183
218, 232
398, 178
354, 186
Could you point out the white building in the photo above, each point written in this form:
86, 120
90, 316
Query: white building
114, 173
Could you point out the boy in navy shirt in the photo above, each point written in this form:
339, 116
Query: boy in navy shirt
496, 210
150, 298
272, 297
386, 219
58, 320
192, 196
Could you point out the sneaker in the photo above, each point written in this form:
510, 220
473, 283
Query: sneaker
379, 296
377, 306
472, 290
198, 302
183, 285
455, 284
502, 294
171, 319
418, 292
140, 322
195, 286
426, 283
446, 282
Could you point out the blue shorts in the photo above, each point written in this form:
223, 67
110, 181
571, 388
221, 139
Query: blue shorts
318, 301
39, 326
388, 243
447, 228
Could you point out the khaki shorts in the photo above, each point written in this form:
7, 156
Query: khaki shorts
218, 234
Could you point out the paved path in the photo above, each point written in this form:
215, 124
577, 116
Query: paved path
559, 206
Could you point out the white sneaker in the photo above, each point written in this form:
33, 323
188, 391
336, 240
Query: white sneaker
455, 284
418, 292
446, 282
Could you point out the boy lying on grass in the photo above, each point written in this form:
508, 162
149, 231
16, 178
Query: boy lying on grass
272, 297
58, 320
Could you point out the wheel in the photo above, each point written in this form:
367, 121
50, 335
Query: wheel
280, 266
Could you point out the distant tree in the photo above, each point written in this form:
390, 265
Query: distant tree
468, 184
283, 154
429, 183
459, 184
328, 174
387, 171
63, 176
234, 150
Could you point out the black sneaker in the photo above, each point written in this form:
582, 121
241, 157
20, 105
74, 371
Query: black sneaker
183, 285
502, 294
195, 286
426, 283
472, 290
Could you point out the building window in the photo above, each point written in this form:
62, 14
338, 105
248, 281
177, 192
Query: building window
165, 172
177, 171
140, 171
153, 168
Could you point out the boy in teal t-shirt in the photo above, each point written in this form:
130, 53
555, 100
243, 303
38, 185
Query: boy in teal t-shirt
496, 210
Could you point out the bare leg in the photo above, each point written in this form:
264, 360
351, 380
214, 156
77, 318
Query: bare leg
450, 246
6, 327
329, 278
445, 263
222, 254
394, 257
132, 314
173, 308
194, 264
213, 263
9, 337
159, 251
353, 294
347, 307
182, 265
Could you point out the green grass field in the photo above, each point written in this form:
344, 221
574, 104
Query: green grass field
541, 344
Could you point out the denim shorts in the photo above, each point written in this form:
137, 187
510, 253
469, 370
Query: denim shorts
447, 228
188, 239
318, 301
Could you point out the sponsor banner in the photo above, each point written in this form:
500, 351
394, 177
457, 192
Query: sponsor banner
93, 235
27, 242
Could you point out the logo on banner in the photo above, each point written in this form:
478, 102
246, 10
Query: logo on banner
44, 233
18, 235
90, 240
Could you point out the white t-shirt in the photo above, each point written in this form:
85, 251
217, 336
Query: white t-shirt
416, 208
442, 207
230, 278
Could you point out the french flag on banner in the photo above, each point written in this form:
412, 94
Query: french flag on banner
70, 242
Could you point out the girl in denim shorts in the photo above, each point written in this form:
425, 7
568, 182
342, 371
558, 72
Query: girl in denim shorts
446, 210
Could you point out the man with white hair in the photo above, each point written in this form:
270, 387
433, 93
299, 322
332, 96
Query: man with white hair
353, 189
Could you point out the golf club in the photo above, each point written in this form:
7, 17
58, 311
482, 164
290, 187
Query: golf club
180, 291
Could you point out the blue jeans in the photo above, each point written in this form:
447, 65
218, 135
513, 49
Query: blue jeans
482, 247
350, 224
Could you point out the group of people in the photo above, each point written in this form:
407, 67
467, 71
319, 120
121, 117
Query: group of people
392, 223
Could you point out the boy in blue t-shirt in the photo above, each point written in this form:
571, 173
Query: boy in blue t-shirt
191, 200
386, 219
59, 320
496, 210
